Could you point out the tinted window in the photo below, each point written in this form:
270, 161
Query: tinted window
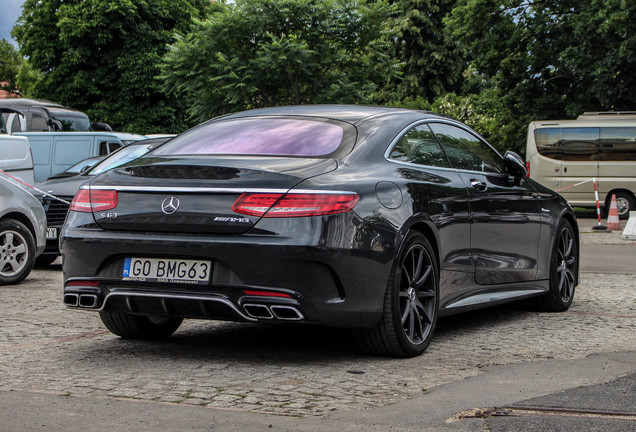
579, 144
548, 142
72, 121
467, 152
272, 136
419, 146
573, 144
618, 144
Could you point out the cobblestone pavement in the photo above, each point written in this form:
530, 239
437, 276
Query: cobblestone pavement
290, 369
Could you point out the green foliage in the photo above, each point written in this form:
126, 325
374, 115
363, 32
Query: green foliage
10, 61
433, 60
549, 59
102, 56
257, 53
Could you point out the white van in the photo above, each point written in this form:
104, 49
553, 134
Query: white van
15, 155
53, 152
565, 155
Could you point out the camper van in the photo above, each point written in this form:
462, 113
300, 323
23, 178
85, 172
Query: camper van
565, 155
53, 152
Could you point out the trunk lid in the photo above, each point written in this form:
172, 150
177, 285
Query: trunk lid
196, 195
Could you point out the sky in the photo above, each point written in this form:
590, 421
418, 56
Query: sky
10, 10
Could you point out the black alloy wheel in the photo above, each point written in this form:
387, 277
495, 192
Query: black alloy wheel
17, 252
131, 326
563, 271
410, 305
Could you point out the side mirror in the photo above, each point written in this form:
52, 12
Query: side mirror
97, 126
515, 165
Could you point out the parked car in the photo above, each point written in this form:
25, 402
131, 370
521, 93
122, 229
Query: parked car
53, 152
66, 188
377, 219
46, 116
22, 231
78, 168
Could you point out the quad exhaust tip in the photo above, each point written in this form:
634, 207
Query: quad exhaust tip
261, 311
81, 300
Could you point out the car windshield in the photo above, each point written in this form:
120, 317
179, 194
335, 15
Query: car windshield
120, 157
3, 127
72, 121
257, 136
82, 165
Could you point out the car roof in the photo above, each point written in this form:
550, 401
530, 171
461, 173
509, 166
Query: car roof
348, 113
25, 103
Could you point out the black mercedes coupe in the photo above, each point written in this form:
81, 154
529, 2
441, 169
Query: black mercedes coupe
376, 219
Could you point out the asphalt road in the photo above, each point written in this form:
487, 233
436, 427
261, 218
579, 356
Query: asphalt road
500, 369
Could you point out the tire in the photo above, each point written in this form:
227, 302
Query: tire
138, 326
563, 271
44, 260
17, 252
411, 304
625, 203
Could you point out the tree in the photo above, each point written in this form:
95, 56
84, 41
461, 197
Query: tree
101, 56
256, 53
10, 61
549, 59
433, 60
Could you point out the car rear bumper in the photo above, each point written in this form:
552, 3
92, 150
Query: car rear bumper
328, 279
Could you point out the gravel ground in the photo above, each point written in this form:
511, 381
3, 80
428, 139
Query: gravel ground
291, 369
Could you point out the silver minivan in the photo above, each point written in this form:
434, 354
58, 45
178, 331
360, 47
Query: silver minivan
567, 155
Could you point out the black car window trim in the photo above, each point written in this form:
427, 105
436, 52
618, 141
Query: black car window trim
480, 138
407, 129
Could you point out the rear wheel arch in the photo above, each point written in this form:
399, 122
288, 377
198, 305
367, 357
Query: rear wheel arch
22, 218
426, 229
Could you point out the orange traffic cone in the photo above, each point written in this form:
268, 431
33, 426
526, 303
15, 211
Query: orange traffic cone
613, 223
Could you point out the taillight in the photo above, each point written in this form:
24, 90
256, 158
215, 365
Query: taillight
528, 169
94, 200
294, 204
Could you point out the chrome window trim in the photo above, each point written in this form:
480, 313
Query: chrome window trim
457, 124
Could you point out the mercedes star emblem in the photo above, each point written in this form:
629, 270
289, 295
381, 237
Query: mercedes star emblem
170, 205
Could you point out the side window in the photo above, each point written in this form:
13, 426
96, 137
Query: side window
103, 148
579, 144
419, 146
467, 152
112, 146
548, 142
618, 144
38, 123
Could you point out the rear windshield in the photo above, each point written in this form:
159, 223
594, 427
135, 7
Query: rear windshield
258, 136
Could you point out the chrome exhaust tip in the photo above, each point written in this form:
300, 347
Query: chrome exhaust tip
288, 313
71, 299
258, 311
87, 300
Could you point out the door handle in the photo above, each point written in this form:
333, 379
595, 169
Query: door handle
478, 185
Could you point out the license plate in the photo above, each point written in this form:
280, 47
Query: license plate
167, 270
51, 233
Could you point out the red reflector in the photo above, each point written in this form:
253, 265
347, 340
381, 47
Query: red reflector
266, 293
528, 169
94, 200
294, 204
82, 283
